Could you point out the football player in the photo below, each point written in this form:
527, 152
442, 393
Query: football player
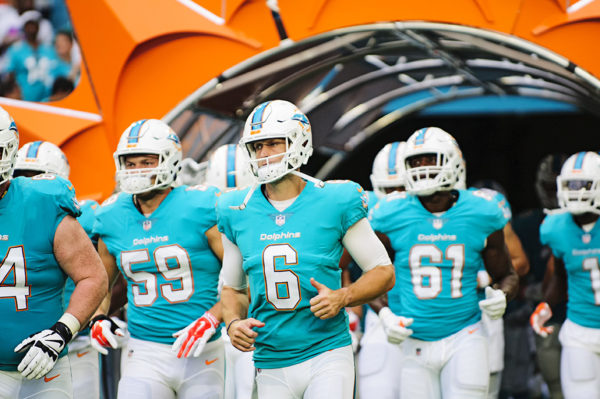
34, 159
284, 237
165, 242
379, 360
228, 169
494, 328
41, 241
40, 157
440, 237
573, 237
527, 226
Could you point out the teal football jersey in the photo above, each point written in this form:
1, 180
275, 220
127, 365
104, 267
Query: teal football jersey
171, 272
437, 259
371, 199
503, 204
497, 196
281, 252
87, 218
580, 251
31, 281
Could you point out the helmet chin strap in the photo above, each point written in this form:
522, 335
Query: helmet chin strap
255, 185
316, 182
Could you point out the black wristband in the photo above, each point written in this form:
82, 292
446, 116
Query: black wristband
62, 330
229, 325
97, 318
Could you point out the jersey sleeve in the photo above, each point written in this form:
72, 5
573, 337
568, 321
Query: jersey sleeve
355, 204
100, 227
223, 214
203, 199
375, 216
88, 217
379, 214
547, 229
495, 218
494, 205
57, 196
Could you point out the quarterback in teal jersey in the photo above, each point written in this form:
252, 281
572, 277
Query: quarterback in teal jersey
165, 242
36, 158
440, 237
573, 235
42, 244
283, 237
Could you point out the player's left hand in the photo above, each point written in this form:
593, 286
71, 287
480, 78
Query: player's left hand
494, 303
328, 302
195, 336
43, 349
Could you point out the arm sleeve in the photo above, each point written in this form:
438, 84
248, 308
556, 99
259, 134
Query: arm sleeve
233, 273
364, 246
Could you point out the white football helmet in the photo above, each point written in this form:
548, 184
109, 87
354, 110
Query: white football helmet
272, 120
578, 185
42, 157
228, 168
388, 168
9, 145
445, 174
148, 136
462, 176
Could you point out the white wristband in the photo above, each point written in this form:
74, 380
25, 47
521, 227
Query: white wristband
70, 321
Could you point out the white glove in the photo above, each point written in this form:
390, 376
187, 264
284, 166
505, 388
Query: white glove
106, 332
195, 336
43, 349
494, 303
395, 326
541, 315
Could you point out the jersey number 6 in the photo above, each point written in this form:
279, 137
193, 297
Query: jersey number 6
282, 286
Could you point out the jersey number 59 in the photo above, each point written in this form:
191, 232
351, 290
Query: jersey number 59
148, 280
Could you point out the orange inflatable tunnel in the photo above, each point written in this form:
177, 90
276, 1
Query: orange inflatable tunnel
142, 59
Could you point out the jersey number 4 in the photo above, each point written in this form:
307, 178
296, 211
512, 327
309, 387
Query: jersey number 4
14, 262
427, 280
182, 273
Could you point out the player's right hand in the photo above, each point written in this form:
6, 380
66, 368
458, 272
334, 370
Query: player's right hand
395, 326
539, 317
194, 337
43, 349
106, 332
242, 334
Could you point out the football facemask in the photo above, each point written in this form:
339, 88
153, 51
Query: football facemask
148, 136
